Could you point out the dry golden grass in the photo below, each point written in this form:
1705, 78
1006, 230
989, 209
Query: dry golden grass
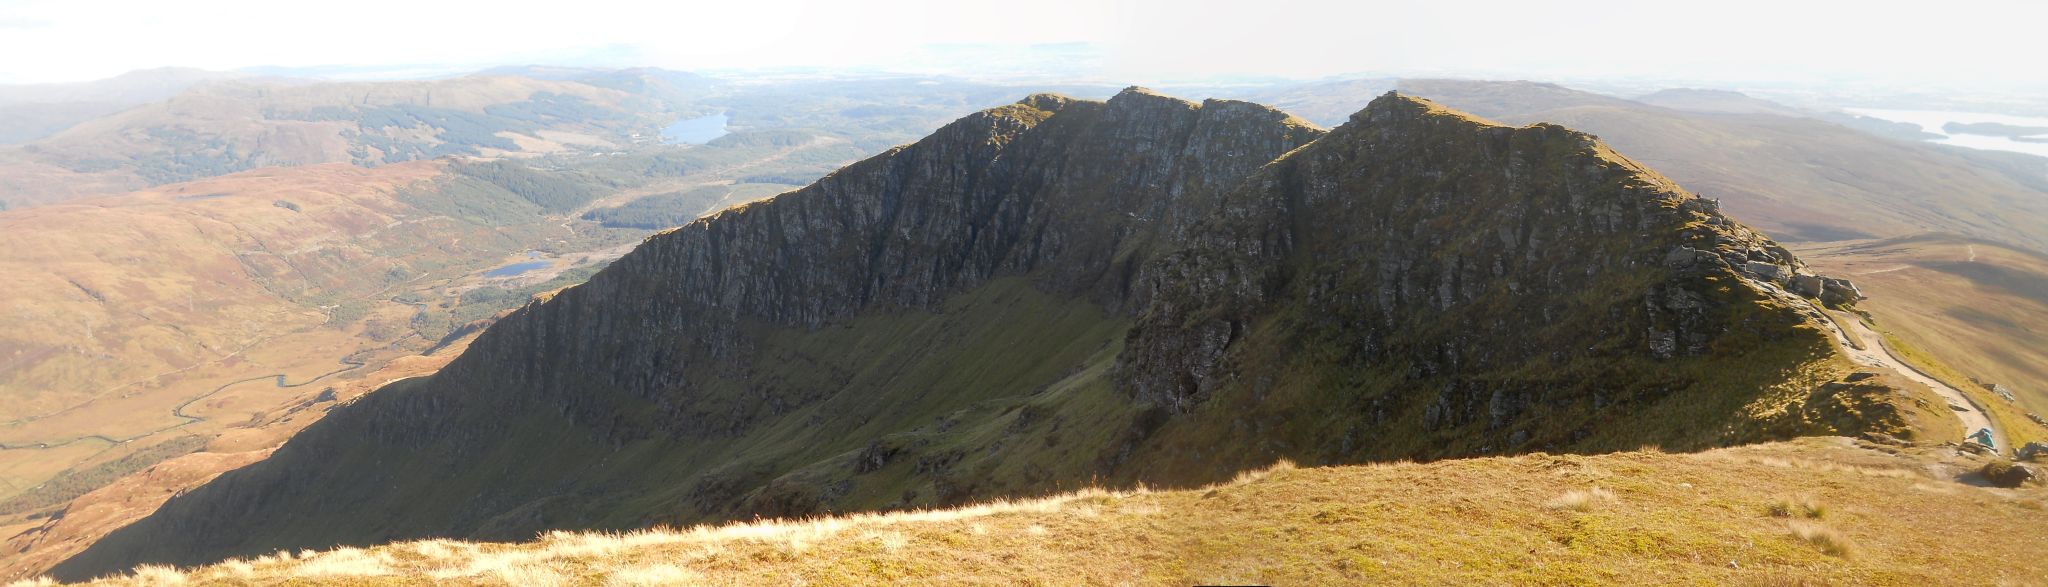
1826, 539
1798, 506
1962, 308
1580, 500
1628, 518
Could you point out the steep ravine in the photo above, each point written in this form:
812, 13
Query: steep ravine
1060, 291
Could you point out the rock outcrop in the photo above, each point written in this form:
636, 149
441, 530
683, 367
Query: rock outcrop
1057, 291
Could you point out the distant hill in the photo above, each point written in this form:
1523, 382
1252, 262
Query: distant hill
21, 123
226, 127
1800, 179
1060, 292
677, 89
135, 87
1717, 102
29, 112
1995, 129
1797, 175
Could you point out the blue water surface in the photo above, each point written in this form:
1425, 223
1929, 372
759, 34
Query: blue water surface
516, 268
695, 131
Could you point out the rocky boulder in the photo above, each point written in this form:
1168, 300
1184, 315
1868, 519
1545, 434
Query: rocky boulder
1808, 284
2033, 452
1836, 291
1763, 270
2004, 473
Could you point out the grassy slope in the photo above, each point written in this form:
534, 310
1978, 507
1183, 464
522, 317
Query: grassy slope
1018, 339
1960, 309
1817, 511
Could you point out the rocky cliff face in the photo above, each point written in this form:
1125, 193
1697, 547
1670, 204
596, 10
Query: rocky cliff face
1037, 295
1433, 284
1470, 232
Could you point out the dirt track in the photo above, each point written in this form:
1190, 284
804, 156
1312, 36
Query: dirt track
1868, 349
1875, 354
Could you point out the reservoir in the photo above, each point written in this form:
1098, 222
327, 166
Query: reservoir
516, 268
1932, 121
695, 131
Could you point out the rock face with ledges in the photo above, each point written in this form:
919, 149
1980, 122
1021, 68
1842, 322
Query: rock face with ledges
1056, 291
1413, 219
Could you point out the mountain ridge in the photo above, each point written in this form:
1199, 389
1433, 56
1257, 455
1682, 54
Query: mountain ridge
1059, 290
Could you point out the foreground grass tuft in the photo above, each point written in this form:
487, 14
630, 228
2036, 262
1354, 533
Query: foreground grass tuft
1581, 500
1820, 535
1800, 506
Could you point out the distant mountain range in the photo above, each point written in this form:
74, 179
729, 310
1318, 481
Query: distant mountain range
29, 112
233, 126
1867, 186
216, 124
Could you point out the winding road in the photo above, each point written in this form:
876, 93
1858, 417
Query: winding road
1874, 353
1868, 349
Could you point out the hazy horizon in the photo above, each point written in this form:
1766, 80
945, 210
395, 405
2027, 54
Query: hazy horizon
1971, 45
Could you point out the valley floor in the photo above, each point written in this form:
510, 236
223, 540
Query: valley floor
1812, 511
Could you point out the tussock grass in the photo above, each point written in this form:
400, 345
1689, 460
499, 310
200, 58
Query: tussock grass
1256, 475
548, 561
1818, 465
1820, 535
651, 576
343, 562
1581, 500
1799, 506
158, 575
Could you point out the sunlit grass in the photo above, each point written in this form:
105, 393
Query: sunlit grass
1533, 519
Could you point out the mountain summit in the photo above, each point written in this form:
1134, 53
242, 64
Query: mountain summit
1058, 291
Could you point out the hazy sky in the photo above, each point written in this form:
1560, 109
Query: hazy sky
1950, 43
